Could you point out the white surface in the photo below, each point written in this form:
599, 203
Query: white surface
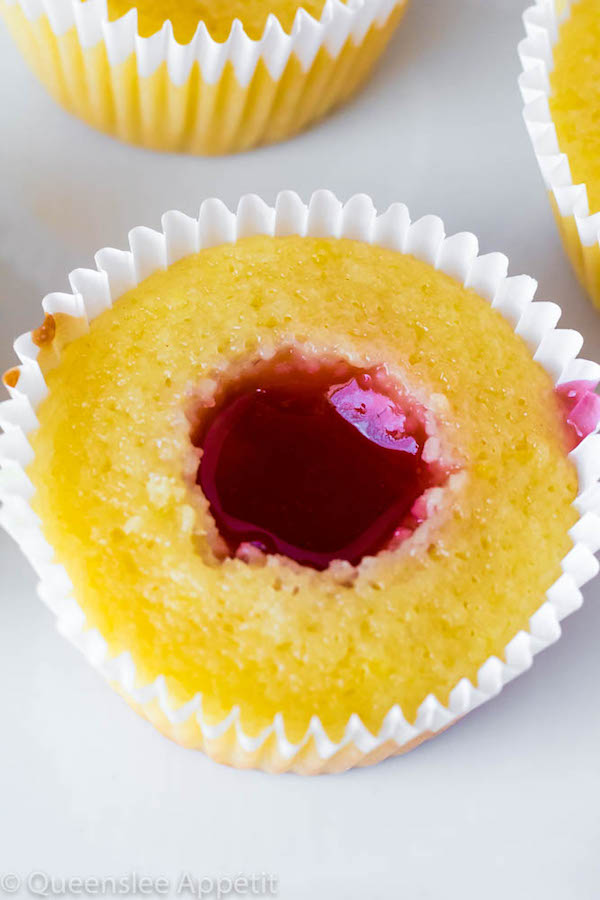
504, 803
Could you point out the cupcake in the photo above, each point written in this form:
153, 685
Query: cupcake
560, 88
199, 77
306, 484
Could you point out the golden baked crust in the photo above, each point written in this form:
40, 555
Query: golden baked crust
113, 473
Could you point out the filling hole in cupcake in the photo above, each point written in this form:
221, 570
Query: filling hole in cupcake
314, 460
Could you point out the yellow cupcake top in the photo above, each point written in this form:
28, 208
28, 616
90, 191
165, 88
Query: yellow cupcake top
114, 485
218, 17
575, 98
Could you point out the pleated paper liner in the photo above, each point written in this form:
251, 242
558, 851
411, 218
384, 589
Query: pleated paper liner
203, 97
578, 225
93, 291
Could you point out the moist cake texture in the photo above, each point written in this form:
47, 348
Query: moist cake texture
115, 484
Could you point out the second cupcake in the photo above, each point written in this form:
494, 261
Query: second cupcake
560, 87
199, 77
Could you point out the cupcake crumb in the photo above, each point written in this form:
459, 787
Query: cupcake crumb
11, 377
133, 524
45, 333
187, 517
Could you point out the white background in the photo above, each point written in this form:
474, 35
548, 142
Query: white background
503, 805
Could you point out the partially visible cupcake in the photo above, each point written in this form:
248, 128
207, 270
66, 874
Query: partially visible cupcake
198, 77
560, 85
307, 485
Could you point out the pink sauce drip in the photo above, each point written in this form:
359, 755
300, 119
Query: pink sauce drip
582, 407
313, 469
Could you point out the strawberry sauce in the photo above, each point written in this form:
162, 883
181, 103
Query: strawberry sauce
311, 467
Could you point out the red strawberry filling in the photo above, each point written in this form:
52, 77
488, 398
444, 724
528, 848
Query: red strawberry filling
314, 467
582, 407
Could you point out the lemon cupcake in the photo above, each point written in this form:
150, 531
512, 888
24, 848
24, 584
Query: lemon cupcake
199, 77
306, 484
559, 84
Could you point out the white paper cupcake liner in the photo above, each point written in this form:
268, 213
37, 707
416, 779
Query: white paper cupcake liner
580, 230
141, 88
324, 216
